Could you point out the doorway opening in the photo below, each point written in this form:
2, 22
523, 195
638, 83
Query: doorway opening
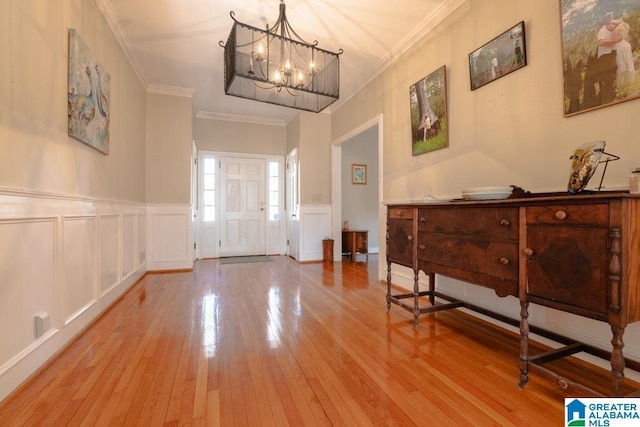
373, 128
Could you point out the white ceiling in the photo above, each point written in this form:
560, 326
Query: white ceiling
174, 44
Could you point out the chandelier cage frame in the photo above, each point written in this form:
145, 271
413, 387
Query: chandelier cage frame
274, 67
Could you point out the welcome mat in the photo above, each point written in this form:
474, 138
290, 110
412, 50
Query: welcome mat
244, 259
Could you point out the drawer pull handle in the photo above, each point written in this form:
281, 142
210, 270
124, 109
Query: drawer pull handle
560, 215
505, 223
423, 219
504, 260
423, 247
409, 238
528, 251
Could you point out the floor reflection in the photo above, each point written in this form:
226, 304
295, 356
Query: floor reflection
351, 274
210, 313
274, 324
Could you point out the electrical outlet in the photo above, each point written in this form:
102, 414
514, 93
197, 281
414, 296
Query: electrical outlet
41, 323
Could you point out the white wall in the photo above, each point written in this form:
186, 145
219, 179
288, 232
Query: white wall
168, 149
314, 227
238, 137
35, 151
168, 170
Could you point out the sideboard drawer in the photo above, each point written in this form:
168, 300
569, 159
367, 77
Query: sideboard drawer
490, 257
493, 223
401, 213
596, 215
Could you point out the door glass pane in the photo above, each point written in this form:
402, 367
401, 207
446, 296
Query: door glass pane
274, 192
209, 189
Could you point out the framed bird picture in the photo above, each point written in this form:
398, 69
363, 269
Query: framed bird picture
88, 96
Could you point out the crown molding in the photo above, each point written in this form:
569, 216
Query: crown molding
425, 27
171, 90
238, 118
109, 14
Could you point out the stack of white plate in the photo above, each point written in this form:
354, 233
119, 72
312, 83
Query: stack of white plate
487, 193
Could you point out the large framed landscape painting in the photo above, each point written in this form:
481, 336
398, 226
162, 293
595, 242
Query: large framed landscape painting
88, 96
600, 53
428, 102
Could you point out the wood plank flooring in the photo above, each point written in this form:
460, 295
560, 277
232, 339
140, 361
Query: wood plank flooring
285, 344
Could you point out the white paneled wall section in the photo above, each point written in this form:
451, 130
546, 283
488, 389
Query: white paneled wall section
315, 226
171, 237
66, 259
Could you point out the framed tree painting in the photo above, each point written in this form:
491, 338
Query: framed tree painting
503, 55
428, 103
599, 53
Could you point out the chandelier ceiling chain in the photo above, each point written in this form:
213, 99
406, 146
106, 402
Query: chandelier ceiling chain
259, 64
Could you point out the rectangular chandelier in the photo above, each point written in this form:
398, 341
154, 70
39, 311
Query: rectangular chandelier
270, 66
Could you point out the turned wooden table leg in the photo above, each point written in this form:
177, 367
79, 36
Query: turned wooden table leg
416, 295
388, 286
432, 288
615, 306
524, 343
617, 361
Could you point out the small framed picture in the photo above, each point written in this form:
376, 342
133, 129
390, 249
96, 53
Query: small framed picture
358, 174
502, 55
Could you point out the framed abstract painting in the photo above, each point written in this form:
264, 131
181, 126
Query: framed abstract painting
88, 97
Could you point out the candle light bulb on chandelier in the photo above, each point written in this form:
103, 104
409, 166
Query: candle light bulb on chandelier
260, 55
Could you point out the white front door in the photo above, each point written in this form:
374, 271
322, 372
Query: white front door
242, 206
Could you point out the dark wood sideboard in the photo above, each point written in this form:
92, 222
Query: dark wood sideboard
575, 253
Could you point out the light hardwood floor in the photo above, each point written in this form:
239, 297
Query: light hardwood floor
281, 343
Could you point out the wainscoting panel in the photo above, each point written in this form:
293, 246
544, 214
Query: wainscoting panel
27, 277
63, 259
315, 226
170, 237
128, 244
79, 279
109, 253
141, 231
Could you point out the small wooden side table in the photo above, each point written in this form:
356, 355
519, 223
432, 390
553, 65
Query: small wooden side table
355, 242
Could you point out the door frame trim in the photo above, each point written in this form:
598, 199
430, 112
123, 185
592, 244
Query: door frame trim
267, 157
